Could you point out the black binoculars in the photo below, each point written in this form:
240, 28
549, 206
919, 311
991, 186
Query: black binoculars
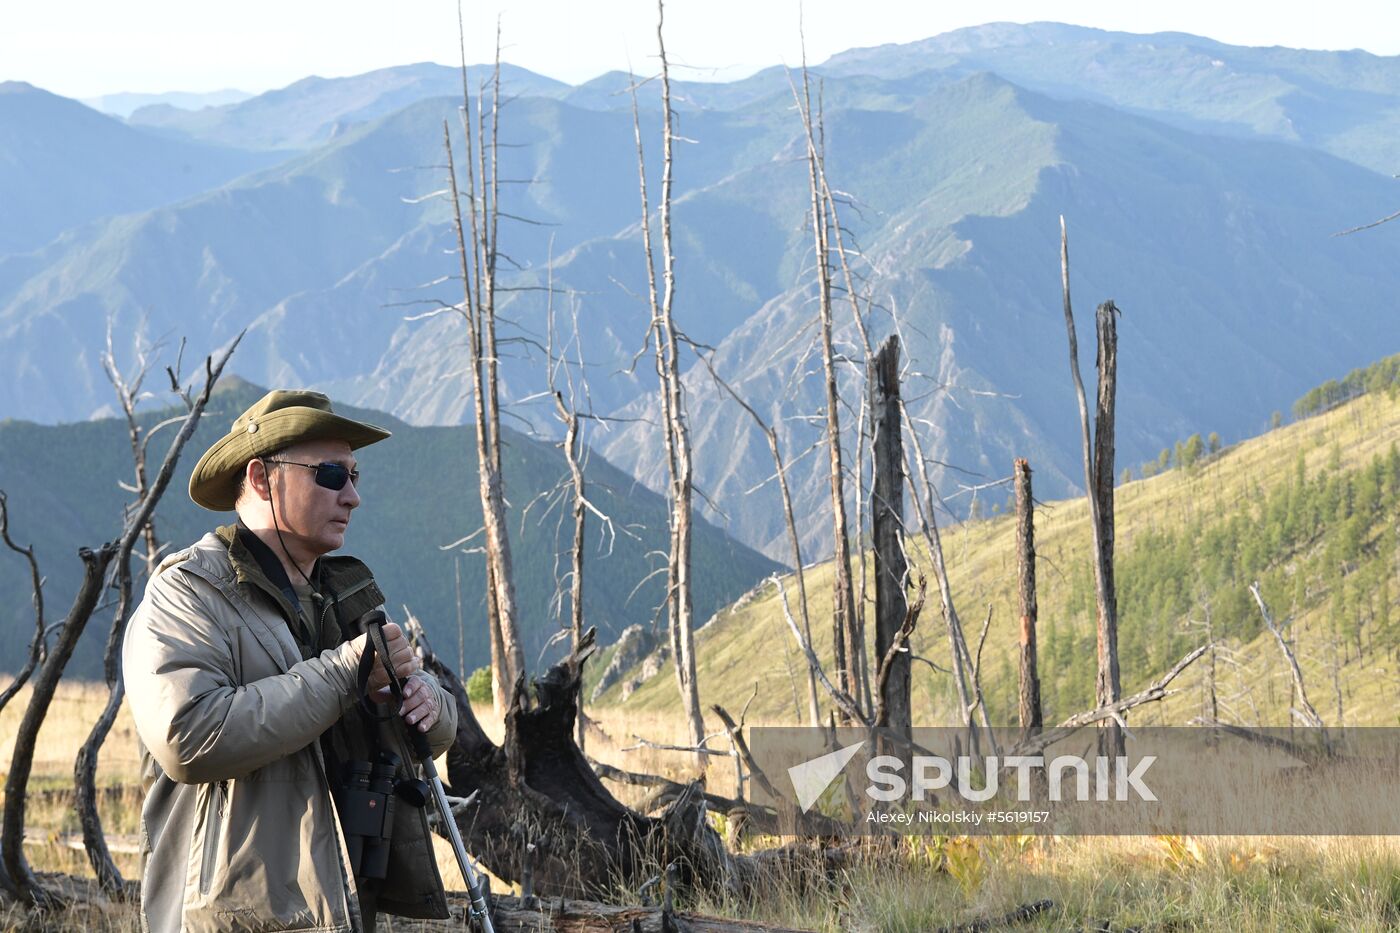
370, 790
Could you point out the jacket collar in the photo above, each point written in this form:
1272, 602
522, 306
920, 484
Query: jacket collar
334, 575
248, 569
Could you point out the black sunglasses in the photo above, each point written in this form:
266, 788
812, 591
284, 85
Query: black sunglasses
328, 475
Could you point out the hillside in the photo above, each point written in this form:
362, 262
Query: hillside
1307, 509
419, 493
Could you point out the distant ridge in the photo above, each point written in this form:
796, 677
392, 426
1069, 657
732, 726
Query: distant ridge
307, 112
1346, 103
123, 104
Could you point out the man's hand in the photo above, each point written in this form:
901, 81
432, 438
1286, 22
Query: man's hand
420, 703
401, 658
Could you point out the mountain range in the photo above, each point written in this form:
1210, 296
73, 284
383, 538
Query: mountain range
1201, 184
124, 104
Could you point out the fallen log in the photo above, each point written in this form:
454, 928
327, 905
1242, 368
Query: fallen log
541, 813
1023, 914
1308, 752
536, 914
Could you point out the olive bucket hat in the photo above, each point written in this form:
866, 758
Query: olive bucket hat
278, 420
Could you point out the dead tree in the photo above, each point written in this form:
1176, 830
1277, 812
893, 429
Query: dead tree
1025, 563
848, 705
816, 141
572, 418
1098, 482
38, 645
887, 522
1157, 690
960, 658
846, 645
662, 329
19, 879
477, 263
789, 518
1109, 680
1307, 713
128, 395
85, 765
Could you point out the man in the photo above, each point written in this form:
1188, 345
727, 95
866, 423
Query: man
243, 669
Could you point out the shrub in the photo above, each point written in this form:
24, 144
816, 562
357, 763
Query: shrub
479, 685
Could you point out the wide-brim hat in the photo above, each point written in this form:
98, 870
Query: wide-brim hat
277, 420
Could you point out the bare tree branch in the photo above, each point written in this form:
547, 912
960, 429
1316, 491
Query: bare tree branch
1308, 713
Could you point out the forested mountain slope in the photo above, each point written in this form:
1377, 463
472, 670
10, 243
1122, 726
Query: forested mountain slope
1308, 510
420, 494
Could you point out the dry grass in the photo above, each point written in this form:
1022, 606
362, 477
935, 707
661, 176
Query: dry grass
1153, 883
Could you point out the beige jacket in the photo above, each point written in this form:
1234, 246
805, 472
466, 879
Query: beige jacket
239, 829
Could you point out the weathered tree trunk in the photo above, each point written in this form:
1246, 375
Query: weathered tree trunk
1031, 721
498, 541
1106, 682
538, 790
887, 521
844, 640
500, 663
580, 513
24, 885
477, 265
1109, 687
1307, 712
861, 581
680, 601
85, 766
824, 212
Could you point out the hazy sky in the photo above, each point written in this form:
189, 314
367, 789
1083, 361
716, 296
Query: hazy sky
83, 49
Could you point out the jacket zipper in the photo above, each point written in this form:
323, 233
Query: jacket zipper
212, 830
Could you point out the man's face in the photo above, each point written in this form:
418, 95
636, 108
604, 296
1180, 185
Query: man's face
313, 518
